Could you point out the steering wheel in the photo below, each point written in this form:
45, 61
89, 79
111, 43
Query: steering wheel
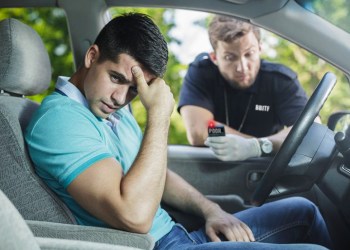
294, 139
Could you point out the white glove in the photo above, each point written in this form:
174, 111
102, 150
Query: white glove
233, 147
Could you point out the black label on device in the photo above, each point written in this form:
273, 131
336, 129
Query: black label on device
216, 131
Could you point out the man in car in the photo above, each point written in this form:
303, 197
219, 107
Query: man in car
256, 101
88, 148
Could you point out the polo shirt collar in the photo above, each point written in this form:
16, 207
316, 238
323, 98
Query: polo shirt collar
64, 86
67, 88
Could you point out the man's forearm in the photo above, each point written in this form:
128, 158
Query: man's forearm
181, 195
146, 178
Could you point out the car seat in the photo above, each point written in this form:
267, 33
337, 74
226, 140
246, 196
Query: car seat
16, 235
25, 70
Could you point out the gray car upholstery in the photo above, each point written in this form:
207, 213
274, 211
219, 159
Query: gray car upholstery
16, 235
14, 232
25, 70
87, 233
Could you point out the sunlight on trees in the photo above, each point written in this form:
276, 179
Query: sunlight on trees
52, 27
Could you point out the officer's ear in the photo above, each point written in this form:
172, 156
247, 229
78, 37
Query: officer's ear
260, 47
213, 57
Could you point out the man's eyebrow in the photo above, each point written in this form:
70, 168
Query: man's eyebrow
230, 53
120, 76
250, 47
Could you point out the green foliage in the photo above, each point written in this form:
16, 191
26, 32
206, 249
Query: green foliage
52, 27
310, 70
165, 21
336, 11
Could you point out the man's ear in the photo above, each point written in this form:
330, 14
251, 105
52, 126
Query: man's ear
91, 55
260, 48
213, 58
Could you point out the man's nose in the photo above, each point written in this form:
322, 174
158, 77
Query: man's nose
241, 65
119, 95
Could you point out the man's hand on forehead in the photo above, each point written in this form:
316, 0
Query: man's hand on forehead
155, 95
139, 77
149, 78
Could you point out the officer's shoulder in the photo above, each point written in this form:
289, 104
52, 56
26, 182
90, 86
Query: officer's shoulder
202, 60
278, 69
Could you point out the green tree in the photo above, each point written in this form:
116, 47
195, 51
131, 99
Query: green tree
51, 25
165, 20
310, 68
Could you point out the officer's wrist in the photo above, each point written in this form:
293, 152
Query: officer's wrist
255, 150
266, 146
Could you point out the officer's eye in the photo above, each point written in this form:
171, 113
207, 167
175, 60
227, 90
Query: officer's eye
229, 58
250, 53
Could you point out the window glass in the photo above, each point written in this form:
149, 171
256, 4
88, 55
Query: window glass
335, 11
186, 34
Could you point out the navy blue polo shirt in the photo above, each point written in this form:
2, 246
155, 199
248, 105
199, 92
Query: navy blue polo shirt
276, 99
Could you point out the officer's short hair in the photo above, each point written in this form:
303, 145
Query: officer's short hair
227, 29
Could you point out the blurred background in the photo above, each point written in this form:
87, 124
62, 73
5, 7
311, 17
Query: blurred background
186, 34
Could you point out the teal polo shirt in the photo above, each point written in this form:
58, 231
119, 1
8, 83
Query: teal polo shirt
64, 138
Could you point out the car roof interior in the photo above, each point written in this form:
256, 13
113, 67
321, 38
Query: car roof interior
295, 23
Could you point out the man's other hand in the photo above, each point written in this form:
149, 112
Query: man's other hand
218, 222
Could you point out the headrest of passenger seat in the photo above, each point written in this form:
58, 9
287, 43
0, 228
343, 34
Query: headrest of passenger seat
25, 67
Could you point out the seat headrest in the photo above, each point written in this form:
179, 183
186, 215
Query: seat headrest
25, 67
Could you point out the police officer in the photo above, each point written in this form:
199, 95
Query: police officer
257, 101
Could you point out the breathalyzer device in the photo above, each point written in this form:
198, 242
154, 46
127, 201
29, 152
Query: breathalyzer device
215, 129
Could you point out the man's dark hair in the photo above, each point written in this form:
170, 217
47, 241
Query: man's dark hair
137, 35
228, 29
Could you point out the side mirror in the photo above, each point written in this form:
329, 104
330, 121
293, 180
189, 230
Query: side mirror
339, 121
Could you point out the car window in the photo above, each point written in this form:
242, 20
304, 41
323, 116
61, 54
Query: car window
186, 33
336, 12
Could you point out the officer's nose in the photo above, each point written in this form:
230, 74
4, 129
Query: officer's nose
241, 65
